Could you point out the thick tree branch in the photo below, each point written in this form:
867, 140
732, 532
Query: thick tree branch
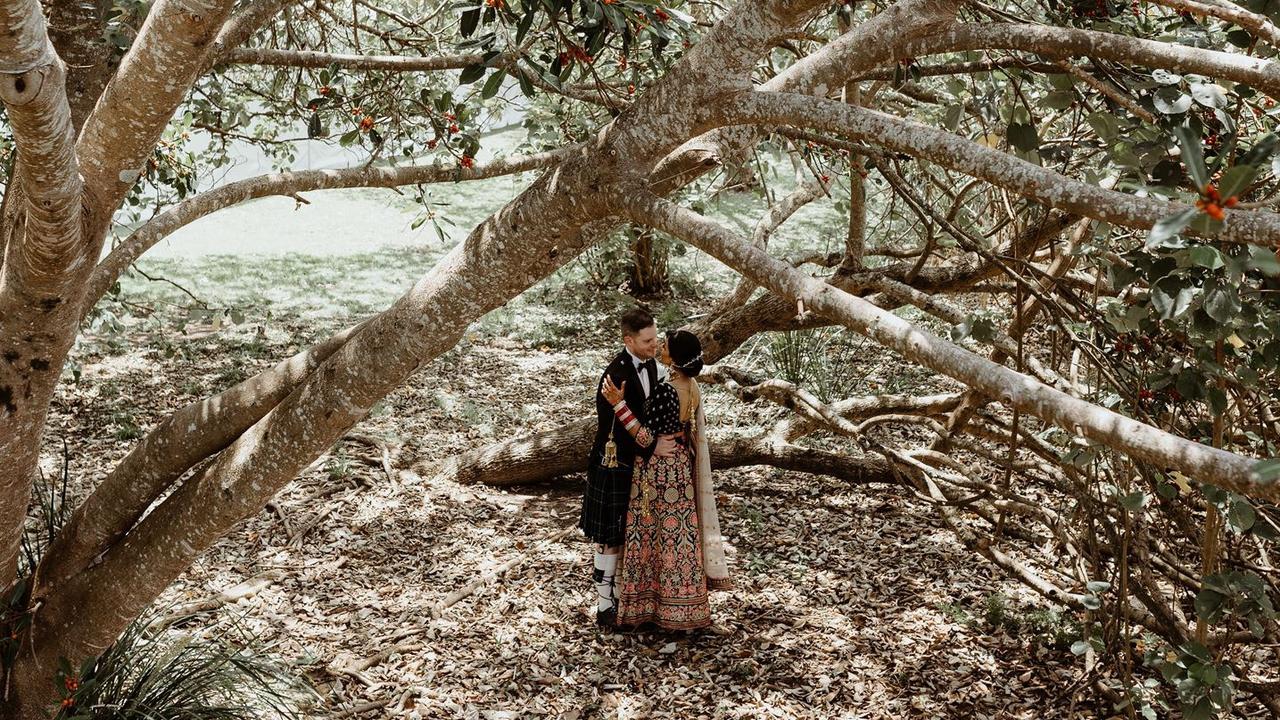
198, 206
252, 17
537, 232
154, 76
998, 168
1059, 42
1014, 389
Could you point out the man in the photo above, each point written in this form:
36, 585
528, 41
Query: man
614, 454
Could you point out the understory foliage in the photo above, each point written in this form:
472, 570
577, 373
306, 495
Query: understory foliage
153, 674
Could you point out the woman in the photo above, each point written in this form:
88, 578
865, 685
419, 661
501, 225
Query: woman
673, 553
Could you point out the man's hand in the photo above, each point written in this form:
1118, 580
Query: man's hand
666, 447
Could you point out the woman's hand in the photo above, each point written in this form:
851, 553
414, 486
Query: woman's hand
610, 392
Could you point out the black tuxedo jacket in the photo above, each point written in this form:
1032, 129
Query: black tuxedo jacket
622, 369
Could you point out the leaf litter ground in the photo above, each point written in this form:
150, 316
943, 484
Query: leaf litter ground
853, 602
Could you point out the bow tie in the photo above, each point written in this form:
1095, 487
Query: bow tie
648, 365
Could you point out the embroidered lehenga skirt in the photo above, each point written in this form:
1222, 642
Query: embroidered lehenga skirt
661, 577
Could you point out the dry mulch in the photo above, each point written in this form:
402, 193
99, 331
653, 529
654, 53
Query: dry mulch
852, 602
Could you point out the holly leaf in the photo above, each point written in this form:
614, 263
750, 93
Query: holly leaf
1023, 136
1164, 234
1192, 156
1171, 101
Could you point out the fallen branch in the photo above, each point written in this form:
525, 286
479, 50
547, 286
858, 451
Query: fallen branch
233, 594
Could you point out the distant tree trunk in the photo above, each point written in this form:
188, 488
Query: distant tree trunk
650, 256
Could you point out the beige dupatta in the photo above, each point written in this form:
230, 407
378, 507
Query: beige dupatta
713, 561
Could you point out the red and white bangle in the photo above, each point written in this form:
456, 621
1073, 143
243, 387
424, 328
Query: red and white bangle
625, 416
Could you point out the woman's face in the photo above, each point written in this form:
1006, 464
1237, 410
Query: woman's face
664, 356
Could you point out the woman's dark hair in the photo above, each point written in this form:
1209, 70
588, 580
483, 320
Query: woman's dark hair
635, 320
686, 352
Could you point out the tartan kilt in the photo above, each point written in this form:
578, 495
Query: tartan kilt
604, 503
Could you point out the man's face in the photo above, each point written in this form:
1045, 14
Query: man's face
643, 344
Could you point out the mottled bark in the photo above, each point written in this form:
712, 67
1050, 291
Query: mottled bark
1056, 42
545, 456
77, 29
43, 250
181, 441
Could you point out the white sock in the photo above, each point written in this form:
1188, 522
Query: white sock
606, 566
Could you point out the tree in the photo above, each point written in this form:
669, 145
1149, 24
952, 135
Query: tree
1161, 177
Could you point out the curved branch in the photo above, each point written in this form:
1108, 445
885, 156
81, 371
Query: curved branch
33, 89
998, 168
240, 27
1057, 42
198, 206
1014, 389
313, 59
1255, 23
154, 76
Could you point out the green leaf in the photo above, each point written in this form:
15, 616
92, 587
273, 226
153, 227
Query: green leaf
1241, 517
1217, 400
1222, 304
469, 21
1134, 501
492, 85
1164, 234
1091, 602
1058, 100
1205, 257
1164, 77
470, 74
1189, 384
1235, 179
951, 118
1208, 604
1209, 95
1263, 260
1171, 101
1192, 156
1105, 124
1098, 586
1023, 136
1171, 297
1079, 647
1240, 38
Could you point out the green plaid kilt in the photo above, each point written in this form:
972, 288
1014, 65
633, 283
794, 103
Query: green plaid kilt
604, 504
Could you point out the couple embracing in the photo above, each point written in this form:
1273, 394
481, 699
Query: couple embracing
649, 505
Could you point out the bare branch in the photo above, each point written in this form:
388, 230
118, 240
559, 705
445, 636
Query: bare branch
198, 206
1014, 389
996, 167
313, 59
1058, 42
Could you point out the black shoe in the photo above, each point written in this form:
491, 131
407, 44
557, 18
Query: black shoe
607, 618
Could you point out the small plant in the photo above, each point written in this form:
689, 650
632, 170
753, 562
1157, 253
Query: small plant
338, 468
147, 674
126, 427
818, 360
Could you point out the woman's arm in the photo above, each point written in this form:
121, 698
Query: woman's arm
614, 396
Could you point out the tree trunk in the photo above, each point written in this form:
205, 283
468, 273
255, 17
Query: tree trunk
545, 456
648, 276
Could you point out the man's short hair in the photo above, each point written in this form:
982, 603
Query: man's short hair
635, 320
